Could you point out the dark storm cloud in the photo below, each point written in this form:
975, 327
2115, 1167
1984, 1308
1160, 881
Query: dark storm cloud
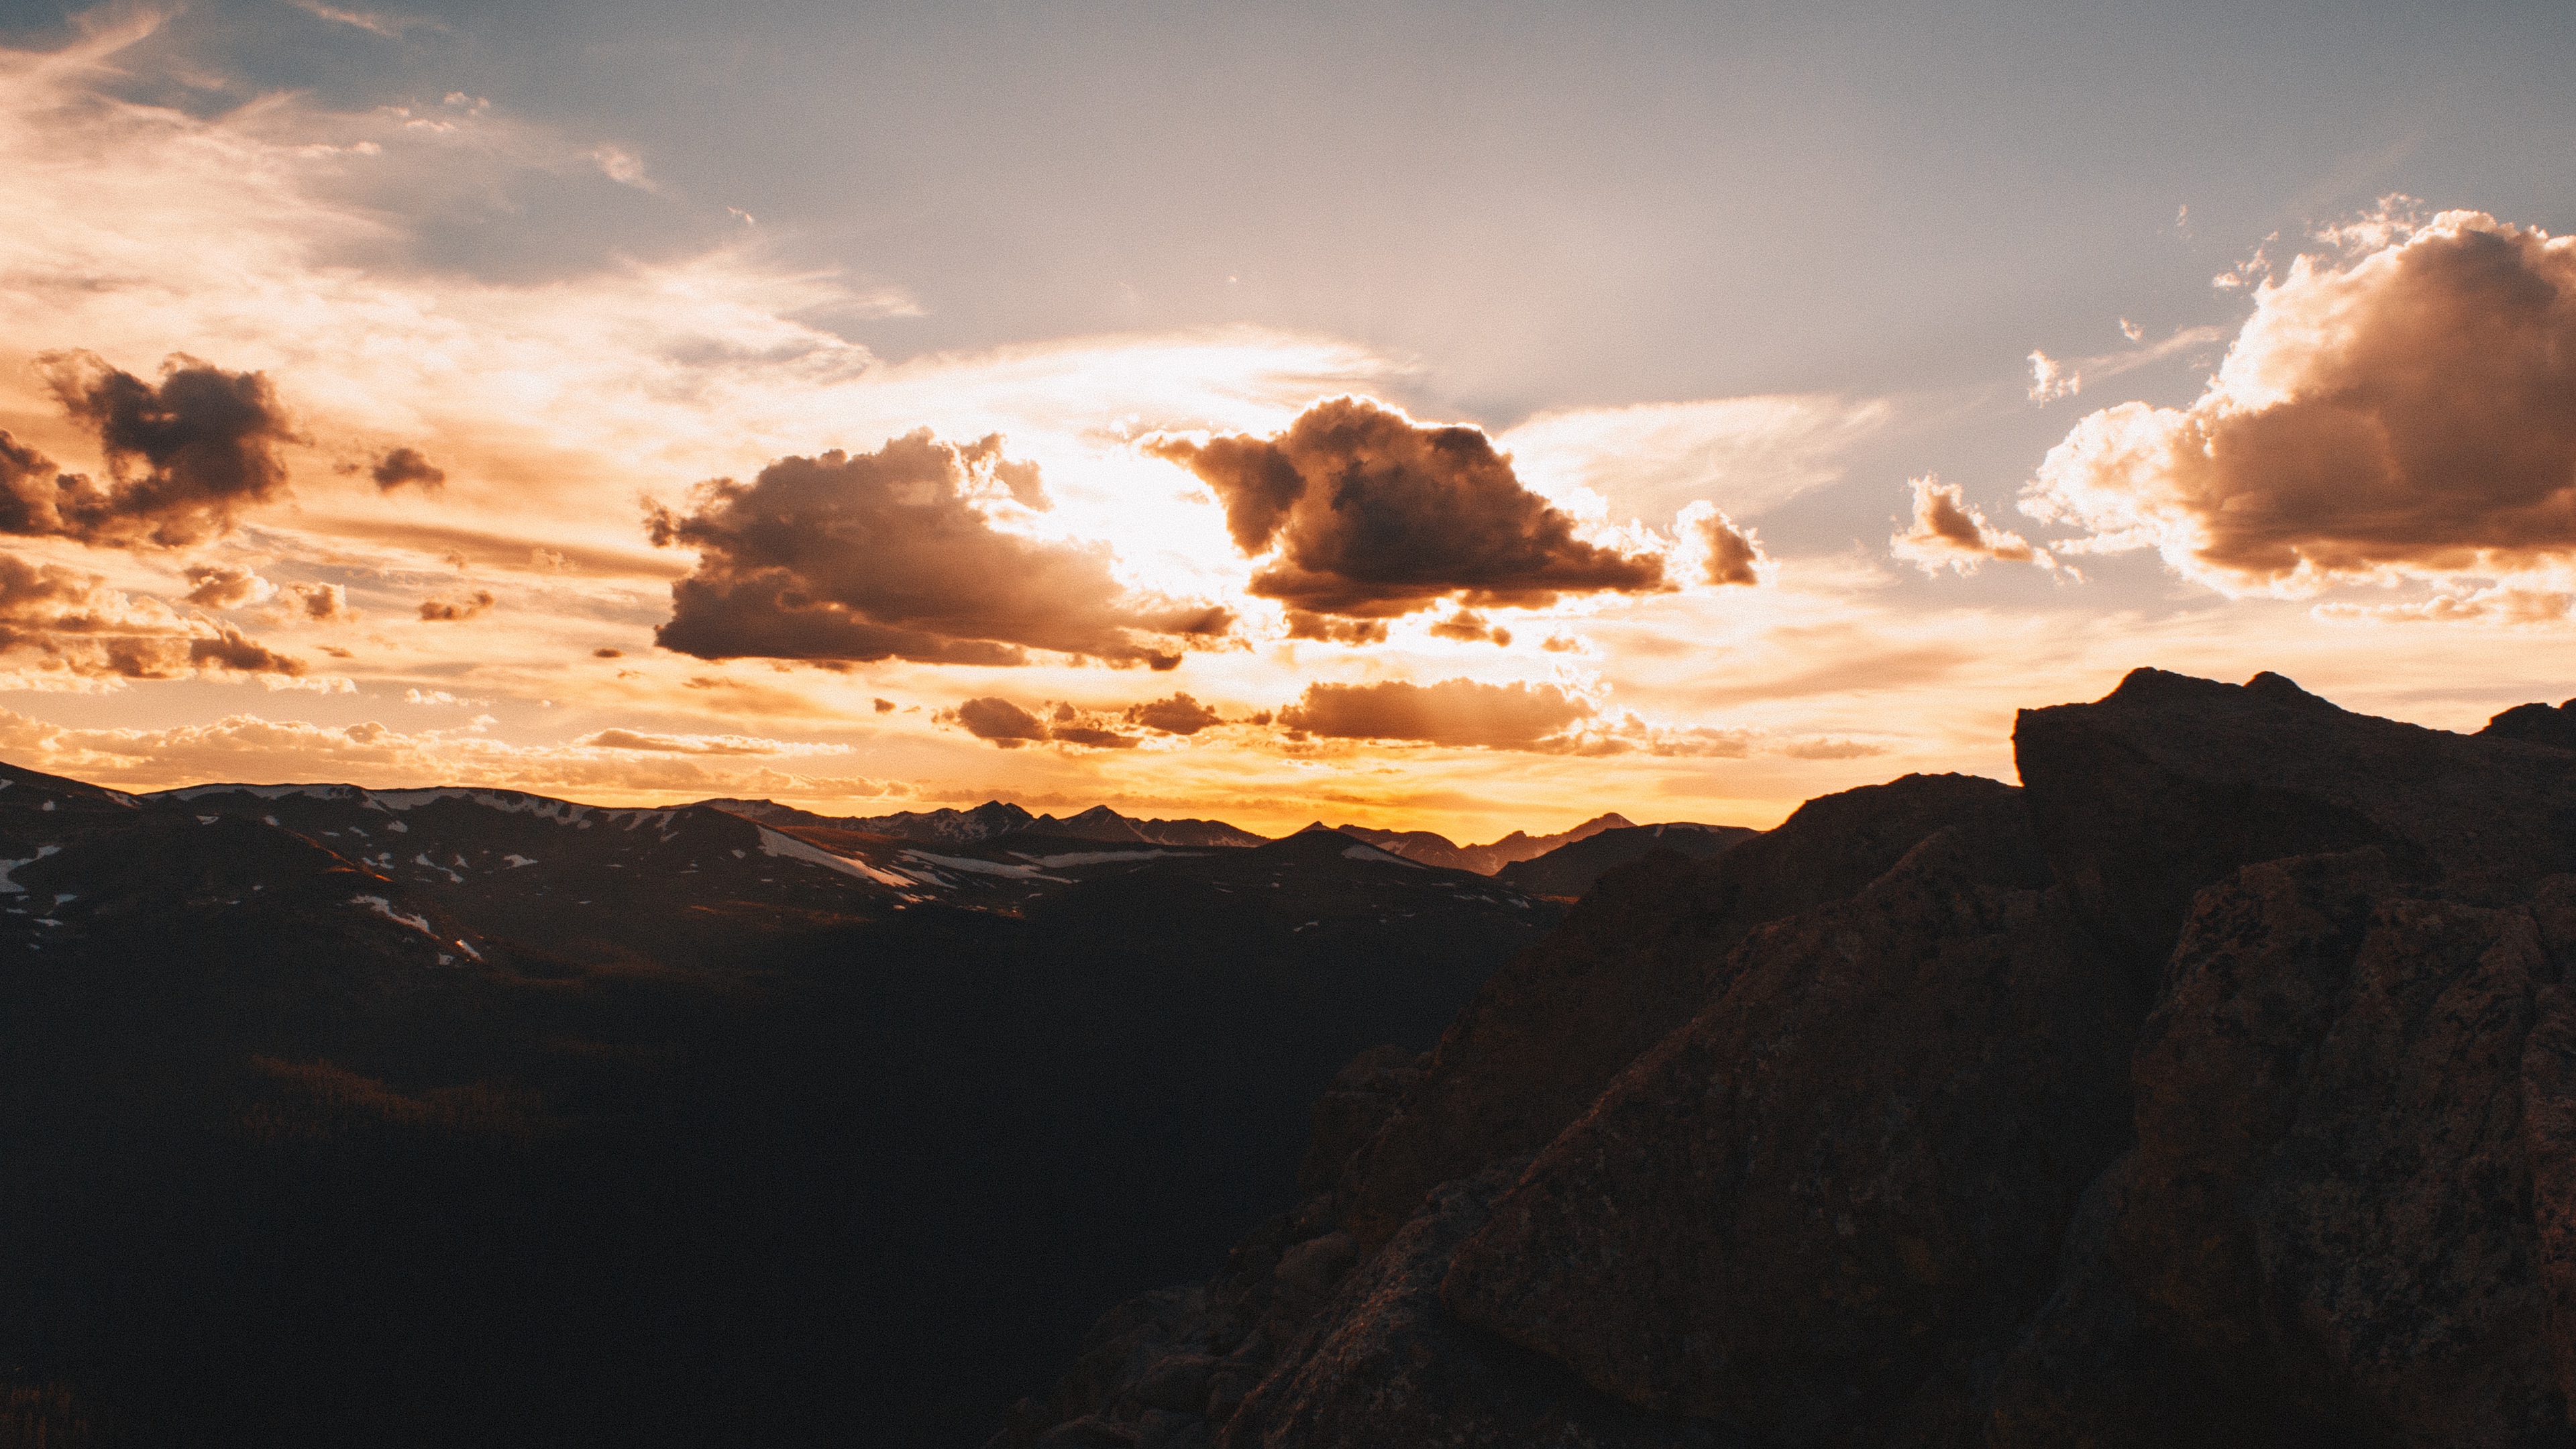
184, 458
1367, 514
1454, 712
886, 556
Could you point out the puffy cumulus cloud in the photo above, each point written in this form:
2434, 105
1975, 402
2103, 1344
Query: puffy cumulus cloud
69, 628
448, 611
1721, 551
183, 458
1463, 712
1178, 715
894, 555
1946, 532
640, 770
225, 586
1366, 514
2404, 410
407, 465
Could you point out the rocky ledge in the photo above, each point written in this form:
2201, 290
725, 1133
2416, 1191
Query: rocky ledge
2217, 1086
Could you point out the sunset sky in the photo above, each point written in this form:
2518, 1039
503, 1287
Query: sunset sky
1464, 418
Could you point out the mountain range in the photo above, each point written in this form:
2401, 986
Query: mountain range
651, 1126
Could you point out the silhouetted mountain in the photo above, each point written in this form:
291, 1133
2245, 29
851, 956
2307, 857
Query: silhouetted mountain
995, 819
1431, 849
2216, 1087
358, 1117
1569, 870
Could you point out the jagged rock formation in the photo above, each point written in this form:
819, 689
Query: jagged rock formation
2218, 1087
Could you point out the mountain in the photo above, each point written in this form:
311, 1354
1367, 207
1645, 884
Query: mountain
1431, 849
1569, 870
389, 1117
995, 819
2214, 1086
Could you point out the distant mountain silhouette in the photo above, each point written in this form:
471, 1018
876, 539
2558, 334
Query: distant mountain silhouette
1431, 849
994, 819
1569, 870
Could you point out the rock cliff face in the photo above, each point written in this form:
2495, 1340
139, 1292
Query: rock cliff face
2216, 1087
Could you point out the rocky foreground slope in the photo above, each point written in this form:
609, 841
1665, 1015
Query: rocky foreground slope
2216, 1087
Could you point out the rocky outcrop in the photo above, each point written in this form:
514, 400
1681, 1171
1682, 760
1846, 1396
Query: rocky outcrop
2217, 1088
1820, 1206
1638, 957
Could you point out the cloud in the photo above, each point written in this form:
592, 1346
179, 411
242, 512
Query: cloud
372, 754
183, 458
1470, 628
1327, 629
72, 628
2051, 380
1830, 749
2410, 414
225, 586
669, 744
321, 603
1365, 513
1009, 726
393, 27
887, 555
1453, 712
883, 706
1178, 715
1727, 552
1948, 533
473, 605
407, 465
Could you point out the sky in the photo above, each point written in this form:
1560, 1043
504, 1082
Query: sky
1461, 418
